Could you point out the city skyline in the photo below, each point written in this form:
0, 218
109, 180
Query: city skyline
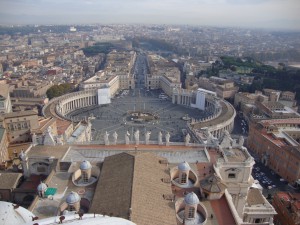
275, 14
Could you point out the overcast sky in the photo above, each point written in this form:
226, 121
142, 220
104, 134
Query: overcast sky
278, 14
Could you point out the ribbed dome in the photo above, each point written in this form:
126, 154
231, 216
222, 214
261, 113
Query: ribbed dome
191, 199
85, 165
212, 184
10, 215
184, 166
42, 187
72, 198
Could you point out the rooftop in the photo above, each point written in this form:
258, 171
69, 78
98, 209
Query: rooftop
141, 190
9, 180
236, 155
255, 197
20, 114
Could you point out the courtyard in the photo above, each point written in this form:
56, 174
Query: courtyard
139, 109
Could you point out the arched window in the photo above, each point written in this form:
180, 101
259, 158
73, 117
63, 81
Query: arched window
85, 177
183, 178
191, 214
71, 208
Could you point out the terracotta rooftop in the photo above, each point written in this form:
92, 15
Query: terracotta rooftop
277, 141
43, 124
130, 186
222, 211
20, 114
62, 126
17, 148
281, 121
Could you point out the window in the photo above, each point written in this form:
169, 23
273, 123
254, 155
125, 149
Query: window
191, 213
85, 177
71, 208
183, 178
231, 175
257, 221
41, 169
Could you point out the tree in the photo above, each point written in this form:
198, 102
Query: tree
58, 90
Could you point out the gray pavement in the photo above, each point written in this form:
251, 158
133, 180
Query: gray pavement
114, 117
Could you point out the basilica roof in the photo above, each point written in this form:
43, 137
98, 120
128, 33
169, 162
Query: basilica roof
130, 185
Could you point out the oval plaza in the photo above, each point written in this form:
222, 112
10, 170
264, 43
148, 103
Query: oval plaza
144, 158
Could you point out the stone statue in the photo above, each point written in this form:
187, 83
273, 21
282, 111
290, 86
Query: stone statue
137, 137
106, 141
34, 139
187, 139
167, 138
241, 141
115, 135
127, 134
48, 138
147, 137
59, 140
226, 141
23, 156
160, 138
49, 129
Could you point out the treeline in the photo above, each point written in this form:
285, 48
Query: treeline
98, 48
58, 90
266, 76
153, 44
258, 67
287, 81
290, 55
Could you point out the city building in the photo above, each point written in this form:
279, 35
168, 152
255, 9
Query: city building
176, 189
5, 101
287, 206
225, 88
3, 145
162, 74
276, 142
18, 125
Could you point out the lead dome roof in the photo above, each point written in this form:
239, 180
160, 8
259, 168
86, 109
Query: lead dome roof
191, 199
184, 166
85, 165
72, 198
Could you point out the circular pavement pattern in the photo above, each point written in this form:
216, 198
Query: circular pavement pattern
165, 116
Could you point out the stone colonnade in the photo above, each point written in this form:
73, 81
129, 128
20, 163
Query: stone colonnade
221, 113
73, 101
